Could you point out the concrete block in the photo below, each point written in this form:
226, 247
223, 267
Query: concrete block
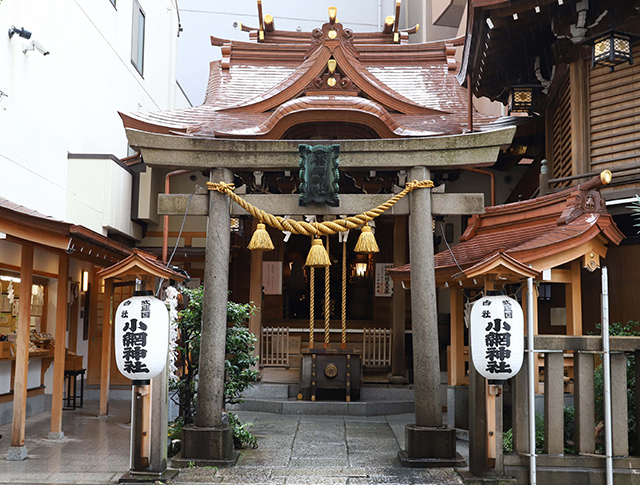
206, 447
458, 407
17, 453
427, 442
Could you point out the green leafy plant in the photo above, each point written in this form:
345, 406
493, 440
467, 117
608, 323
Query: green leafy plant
569, 429
507, 437
629, 329
241, 432
239, 374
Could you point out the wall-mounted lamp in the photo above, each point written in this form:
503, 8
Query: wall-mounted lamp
25, 34
611, 49
85, 281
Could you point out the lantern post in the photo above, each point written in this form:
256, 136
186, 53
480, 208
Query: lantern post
141, 343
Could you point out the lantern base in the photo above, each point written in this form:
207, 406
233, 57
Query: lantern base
429, 447
206, 447
138, 477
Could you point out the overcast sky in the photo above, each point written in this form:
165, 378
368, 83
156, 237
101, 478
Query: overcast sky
201, 19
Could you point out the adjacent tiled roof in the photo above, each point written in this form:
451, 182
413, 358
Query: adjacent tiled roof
530, 230
7, 204
24, 224
414, 85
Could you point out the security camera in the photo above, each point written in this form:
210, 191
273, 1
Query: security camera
25, 34
34, 44
41, 49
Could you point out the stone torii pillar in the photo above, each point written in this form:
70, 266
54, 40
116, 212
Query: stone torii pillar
427, 442
210, 441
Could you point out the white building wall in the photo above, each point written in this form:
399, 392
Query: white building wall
68, 101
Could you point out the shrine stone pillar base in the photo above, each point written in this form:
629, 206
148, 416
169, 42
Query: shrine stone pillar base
429, 447
398, 380
206, 447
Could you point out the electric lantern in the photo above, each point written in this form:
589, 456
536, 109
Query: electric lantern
497, 337
141, 336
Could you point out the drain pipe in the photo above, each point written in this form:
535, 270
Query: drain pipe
165, 224
606, 364
532, 391
493, 181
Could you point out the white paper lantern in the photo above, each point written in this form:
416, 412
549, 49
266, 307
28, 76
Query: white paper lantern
497, 337
141, 336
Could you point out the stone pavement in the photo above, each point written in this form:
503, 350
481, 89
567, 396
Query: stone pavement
292, 450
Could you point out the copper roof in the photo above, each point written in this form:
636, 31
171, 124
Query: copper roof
260, 89
528, 231
140, 263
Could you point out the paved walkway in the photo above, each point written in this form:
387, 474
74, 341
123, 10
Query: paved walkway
292, 450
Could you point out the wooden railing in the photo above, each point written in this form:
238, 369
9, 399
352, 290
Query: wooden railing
376, 347
585, 350
275, 347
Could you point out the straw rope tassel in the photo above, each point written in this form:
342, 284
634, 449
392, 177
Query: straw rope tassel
327, 298
343, 343
325, 227
312, 296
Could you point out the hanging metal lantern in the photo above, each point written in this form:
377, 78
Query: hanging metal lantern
141, 336
521, 99
497, 337
611, 49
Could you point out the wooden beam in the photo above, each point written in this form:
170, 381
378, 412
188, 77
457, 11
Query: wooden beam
60, 347
398, 299
105, 368
22, 348
574, 300
560, 276
288, 204
580, 129
37, 236
570, 254
457, 371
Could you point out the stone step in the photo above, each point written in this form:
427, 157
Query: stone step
373, 392
265, 390
337, 408
281, 398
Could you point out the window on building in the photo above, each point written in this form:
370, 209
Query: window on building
137, 38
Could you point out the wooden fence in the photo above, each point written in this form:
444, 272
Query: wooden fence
275, 347
586, 461
376, 347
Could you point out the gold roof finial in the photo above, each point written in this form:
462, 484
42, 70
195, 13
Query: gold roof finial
333, 12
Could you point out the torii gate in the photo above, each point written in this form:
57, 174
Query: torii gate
428, 443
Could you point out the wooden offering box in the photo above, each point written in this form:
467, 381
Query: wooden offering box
330, 374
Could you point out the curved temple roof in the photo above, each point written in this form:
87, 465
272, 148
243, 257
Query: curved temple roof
533, 232
267, 87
